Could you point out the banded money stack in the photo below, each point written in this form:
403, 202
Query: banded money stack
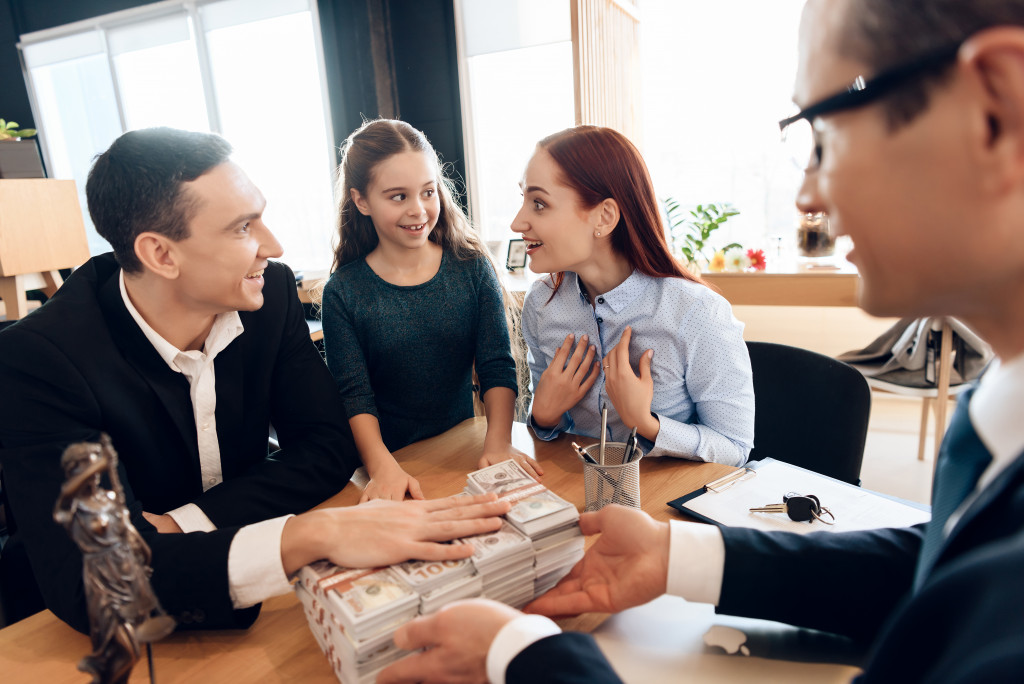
353, 613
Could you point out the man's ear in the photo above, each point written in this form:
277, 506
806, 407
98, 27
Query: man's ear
994, 58
157, 254
605, 216
359, 201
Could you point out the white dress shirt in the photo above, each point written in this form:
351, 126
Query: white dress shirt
253, 574
697, 552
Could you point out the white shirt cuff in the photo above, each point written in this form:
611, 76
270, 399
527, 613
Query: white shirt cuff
696, 562
190, 518
255, 572
513, 638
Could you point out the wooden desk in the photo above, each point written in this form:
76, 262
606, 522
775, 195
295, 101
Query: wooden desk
280, 648
804, 288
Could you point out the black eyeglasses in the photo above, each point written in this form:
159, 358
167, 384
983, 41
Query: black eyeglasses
805, 147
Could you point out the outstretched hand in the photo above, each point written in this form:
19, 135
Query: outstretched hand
456, 638
567, 379
626, 567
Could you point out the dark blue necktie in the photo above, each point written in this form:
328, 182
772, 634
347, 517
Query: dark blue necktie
961, 461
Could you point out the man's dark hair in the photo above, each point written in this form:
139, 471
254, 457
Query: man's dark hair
135, 186
885, 33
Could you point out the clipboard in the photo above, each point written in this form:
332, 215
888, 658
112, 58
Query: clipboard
855, 508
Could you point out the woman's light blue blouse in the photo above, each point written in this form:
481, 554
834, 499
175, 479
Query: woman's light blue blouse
703, 388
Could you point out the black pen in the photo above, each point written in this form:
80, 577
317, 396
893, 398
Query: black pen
583, 454
630, 447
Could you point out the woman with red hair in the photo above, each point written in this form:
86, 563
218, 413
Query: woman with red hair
619, 321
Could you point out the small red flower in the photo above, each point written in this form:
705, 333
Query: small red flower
757, 260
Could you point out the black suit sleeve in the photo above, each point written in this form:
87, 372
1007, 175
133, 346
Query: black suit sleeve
318, 455
846, 583
46, 405
566, 658
965, 624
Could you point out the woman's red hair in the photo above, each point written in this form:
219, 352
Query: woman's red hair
601, 163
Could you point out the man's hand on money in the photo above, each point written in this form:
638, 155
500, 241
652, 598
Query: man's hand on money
626, 567
457, 639
381, 533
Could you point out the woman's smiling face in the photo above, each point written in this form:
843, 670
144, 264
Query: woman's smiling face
559, 233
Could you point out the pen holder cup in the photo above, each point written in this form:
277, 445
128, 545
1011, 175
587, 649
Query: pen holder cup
615, 482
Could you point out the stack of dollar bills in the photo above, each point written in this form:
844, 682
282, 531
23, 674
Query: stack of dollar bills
547, 519
353, 613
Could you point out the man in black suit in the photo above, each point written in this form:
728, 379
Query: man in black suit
185, 346
914, 115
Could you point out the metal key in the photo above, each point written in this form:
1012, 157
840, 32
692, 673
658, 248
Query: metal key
798, 508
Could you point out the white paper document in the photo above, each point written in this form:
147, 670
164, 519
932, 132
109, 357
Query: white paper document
854, 508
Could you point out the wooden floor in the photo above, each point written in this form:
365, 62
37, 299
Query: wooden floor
890, 456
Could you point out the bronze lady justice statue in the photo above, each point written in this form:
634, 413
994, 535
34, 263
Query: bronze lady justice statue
115, 563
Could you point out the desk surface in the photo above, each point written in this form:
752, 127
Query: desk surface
279, 647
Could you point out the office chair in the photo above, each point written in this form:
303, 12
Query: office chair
810, 410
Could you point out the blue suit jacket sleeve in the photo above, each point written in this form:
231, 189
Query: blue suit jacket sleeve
567, 658
845, 583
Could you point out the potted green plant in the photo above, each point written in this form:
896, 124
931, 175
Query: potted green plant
9, 131
691, 231
19, 157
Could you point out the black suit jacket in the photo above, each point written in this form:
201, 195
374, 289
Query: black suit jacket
80, 365
964, 625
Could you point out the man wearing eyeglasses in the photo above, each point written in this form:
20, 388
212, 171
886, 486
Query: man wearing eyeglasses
913, 118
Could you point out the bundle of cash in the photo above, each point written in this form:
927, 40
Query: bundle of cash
440, 582
536, 510
353, 614
504, 561
554, 555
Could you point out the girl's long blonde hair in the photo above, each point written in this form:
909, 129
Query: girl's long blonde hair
368, 146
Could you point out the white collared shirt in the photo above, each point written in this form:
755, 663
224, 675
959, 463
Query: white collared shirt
253, 574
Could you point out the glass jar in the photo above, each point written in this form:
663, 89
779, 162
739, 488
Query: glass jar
812, 236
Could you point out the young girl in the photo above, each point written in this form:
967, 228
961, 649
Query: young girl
413, 304
620, 321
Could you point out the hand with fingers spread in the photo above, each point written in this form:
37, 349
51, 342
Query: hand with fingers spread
630, 394
497, 455
386, 532
457, 639
626, 567
569, 376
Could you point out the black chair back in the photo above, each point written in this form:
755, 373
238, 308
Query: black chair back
810, 410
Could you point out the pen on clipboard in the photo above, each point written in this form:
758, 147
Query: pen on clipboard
729, 480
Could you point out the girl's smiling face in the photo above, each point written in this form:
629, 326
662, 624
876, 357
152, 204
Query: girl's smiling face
402, 199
